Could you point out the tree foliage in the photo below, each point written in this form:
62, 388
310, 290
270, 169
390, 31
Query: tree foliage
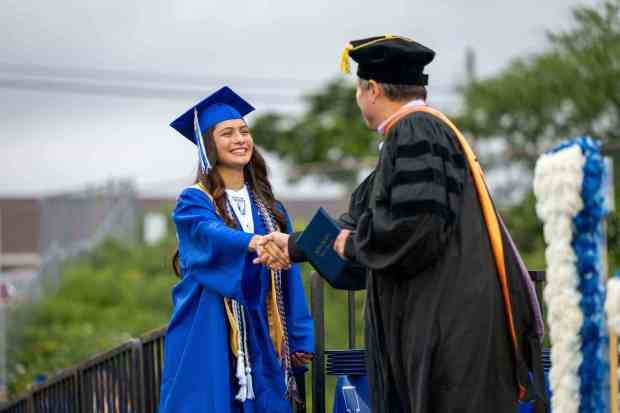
329, 139
570, 89
104, 298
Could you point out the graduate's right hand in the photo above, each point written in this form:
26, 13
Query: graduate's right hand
270, 254
275, 245
253, 246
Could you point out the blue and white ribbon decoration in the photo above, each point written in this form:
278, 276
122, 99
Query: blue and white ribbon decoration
570, 185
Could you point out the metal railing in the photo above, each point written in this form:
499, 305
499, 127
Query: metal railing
152, 367
110, 382
317, 304
127, 379
22, 405
59, 395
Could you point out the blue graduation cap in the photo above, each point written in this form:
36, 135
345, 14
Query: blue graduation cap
218, 107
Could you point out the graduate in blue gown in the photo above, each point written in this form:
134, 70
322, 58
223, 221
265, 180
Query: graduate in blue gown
238, 329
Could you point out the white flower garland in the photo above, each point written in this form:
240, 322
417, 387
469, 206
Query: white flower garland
558, 179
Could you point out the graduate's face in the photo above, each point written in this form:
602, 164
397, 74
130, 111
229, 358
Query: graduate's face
234, 143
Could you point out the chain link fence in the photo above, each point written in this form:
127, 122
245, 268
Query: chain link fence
73, 223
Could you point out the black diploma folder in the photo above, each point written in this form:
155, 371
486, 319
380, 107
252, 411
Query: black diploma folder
317, 241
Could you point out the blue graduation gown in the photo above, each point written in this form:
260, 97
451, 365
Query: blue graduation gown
199, 372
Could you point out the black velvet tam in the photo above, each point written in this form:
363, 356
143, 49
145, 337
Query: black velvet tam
391, 59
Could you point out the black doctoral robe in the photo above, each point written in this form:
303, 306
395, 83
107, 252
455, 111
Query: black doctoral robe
435, 326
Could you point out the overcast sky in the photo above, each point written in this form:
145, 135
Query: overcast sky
87, 89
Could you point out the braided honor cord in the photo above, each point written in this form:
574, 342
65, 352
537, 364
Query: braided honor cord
291, 386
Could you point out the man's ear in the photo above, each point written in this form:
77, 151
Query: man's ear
375, 89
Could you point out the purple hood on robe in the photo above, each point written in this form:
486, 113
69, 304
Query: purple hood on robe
527, 281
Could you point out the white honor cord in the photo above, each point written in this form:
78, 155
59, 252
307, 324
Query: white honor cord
244, 370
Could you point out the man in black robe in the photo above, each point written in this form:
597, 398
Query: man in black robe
437, 335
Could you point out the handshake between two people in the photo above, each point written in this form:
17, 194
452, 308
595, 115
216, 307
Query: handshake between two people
273, 250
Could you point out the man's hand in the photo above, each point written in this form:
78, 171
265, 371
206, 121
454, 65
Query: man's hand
272, 251
278, 238
272, 256
301, 359
340, 242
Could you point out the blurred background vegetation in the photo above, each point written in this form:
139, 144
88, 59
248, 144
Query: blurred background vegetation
571, 88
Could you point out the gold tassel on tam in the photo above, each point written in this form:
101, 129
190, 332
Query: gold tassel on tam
345, 66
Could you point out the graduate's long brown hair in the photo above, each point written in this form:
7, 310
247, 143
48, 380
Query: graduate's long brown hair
255, 175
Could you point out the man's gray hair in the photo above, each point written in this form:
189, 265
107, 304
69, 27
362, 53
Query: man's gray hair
398, 93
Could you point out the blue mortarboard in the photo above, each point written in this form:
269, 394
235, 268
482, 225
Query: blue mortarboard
218, 107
